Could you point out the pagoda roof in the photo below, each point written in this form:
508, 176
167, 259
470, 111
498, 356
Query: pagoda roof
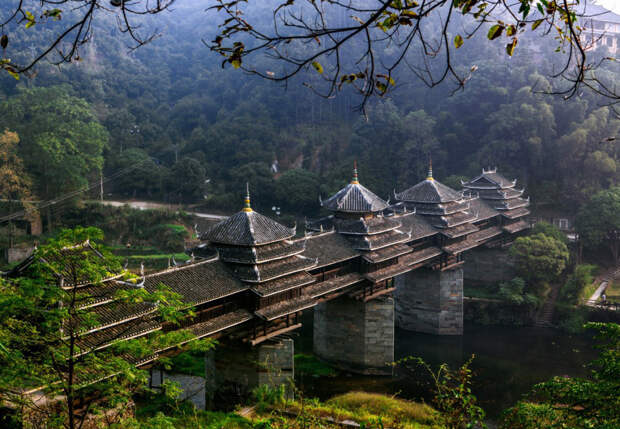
261, 254
483, 209
429, 191
361, 226
355, 198
248, 228
329, 248
600, 13
489, 179
418, 225
271, 270
197, 283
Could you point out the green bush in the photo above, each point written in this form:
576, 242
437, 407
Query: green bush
581, 277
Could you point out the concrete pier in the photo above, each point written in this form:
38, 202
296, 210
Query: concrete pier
430, 301
354, 335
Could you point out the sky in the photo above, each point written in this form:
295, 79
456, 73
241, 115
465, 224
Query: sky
613, 5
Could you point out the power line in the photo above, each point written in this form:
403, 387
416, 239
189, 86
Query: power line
69, 195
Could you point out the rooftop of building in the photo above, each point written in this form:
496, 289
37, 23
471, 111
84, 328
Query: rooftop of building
355, 198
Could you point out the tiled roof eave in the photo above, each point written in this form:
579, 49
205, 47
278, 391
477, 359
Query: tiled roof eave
294, 306
262, 261
303, 283
371, 248
312, 264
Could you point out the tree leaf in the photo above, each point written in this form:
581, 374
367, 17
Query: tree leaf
4, 41
510, 48
12, 73
495, 31
458, 41
536, 24
317, 66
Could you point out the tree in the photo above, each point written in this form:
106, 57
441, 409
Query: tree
46, 317
62, 140
539, 257
598, 221
15, 184
565, 402
316, 35
550, 231
188, 180
297, 191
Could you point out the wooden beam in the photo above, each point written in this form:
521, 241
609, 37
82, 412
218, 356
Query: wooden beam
265, 337
379, 293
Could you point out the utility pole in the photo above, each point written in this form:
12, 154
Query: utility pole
101, 185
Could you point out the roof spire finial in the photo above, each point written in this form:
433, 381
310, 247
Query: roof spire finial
430, 168
247, 208
355, 181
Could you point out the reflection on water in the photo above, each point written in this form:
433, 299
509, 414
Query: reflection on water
509, 361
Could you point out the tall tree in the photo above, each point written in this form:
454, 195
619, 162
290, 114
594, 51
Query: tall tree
15, 184
61, 139
57, 360
598, 221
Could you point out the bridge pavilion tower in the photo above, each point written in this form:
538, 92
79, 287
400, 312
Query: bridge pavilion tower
356, 330
431, 299
260, 253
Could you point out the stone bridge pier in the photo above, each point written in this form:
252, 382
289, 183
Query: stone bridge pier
354, 335
233, 370
236, 369
430, 301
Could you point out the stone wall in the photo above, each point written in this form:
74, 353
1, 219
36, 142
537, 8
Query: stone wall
233, 370
18, 254
354, 335
193, 388
488, 266
430, 301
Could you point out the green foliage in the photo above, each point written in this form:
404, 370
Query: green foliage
62, 139
539, 257
515, 292
266, 396
550, 231
453, 397
41, 323
598, 221
189, 363
576, 283
575, 402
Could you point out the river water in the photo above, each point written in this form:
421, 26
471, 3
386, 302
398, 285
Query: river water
508, 362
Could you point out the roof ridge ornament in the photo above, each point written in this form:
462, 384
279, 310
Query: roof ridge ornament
247, 208
355, 180
429, 176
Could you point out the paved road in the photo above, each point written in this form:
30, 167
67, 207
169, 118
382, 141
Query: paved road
150, 205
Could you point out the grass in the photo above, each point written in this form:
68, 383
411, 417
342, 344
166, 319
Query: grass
310, 365
370, 410
156, 411
613, 291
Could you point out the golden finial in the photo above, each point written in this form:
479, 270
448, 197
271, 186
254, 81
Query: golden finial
430, 169
247, 208
355, 181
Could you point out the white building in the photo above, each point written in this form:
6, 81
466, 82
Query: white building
601, 28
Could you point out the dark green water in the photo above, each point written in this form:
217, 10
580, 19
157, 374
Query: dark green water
508, 362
